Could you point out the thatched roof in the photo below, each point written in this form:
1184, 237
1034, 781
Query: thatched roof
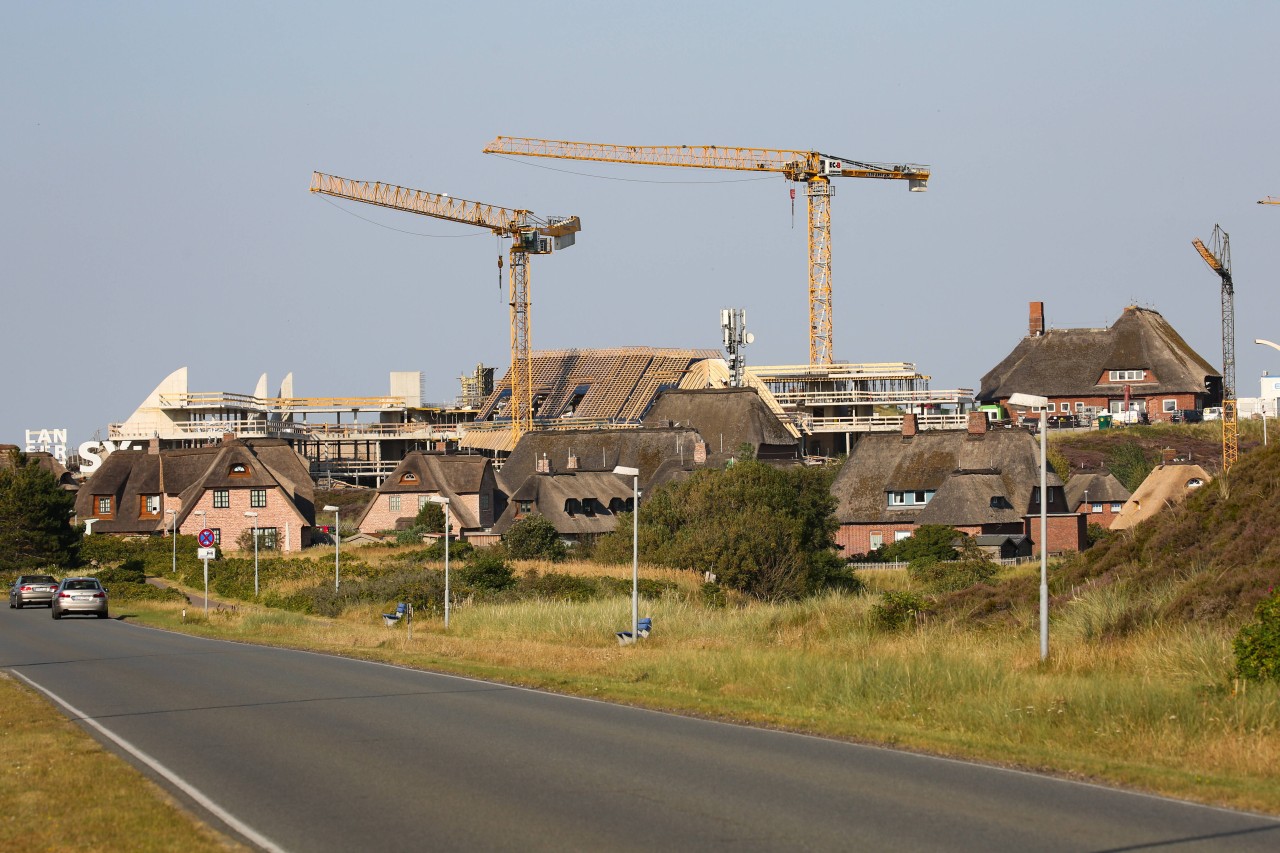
128, 475
976, 479
1066, 362
44, 460
576, 503
725, 418
1101, 487
1164, 486
448, 475
656, 452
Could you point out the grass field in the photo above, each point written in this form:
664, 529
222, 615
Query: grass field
62, 791
1155, 709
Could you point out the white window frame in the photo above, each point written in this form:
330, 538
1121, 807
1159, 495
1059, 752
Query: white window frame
393, 503
1096, 508
1127, 375
1169, 406
1116, 507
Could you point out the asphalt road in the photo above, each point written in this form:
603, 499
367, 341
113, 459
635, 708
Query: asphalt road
297, 751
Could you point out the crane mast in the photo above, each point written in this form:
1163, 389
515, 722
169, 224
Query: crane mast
529, 235
1219, 260
811, 168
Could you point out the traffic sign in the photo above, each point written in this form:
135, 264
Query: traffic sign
206, 538
206, 553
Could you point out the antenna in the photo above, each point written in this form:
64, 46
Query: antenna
734, 335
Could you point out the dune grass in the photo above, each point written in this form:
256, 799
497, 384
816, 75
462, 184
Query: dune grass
52, 767
1123, 698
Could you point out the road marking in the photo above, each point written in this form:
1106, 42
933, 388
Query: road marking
173, 778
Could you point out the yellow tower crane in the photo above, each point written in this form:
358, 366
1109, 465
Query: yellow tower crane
529, 235
1219, 260
811, 168
1269, 200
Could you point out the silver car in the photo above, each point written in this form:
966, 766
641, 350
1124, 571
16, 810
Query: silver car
32, 589
80, 595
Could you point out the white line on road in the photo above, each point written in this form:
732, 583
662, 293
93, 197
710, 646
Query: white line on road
173, 778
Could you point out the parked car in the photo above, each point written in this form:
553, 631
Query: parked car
80, 595
32, 589
1212, 413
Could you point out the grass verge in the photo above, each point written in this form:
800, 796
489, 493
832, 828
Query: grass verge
51, 767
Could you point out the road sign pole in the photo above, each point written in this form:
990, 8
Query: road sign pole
206, 589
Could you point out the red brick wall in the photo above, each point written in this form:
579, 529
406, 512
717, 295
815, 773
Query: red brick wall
856, 538
1104, 518
1066, 533
231, 522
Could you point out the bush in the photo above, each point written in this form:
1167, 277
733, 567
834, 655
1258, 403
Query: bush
245, 541
534, 537
1257, 646
488, 570
430, 518
929, 541
559, 587
896, 610
948, 576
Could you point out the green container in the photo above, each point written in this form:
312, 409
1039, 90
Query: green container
1104, 421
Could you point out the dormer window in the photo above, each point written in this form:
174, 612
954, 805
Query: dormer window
408, 477
149, 505
903, 500
1127, 375
588, 506
572, 506
1195, 483
238, 469
1000, 502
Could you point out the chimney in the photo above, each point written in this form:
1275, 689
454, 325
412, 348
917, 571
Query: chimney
228, 436
1167, 456
442, 447
909, 426
153, 446
544, 464
977, 424
573, 463
1037, 319
700, 453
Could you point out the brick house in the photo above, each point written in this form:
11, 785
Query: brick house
982, 482
144, 492
1139, 363
1098, 495
466, 480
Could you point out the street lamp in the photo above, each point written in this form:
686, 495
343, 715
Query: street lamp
634, 474
254, 516
440, 499
1032, 401
337, 540
1264, 399
173, 533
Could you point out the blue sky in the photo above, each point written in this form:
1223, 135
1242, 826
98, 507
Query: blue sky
157, 157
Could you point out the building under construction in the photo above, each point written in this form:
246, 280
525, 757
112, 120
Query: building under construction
361, 439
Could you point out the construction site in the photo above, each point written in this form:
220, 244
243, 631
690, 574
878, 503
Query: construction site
823, 403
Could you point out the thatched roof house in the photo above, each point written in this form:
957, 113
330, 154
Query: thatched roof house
1100, 495
580, 504
466, 480
1166, 485
1140, 361
44, 460
137, 492
978, 481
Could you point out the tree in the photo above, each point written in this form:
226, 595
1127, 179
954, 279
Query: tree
430, 519
35, 518
763, 530
929, 541
534, 537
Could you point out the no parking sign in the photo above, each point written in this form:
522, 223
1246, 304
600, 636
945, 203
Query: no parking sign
206, 538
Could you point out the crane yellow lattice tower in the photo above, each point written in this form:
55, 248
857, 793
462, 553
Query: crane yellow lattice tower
529, 235
811, 168
1269, 200
1219, 260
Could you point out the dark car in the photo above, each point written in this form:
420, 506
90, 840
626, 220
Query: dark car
32, 589
80, 595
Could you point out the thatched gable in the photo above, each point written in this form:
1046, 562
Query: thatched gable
726, 418
1165, 486
454, 476
1100, 487
1067, 362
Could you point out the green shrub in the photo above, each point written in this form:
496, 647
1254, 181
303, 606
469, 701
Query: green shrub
488, 570
430, 518
534, 537
896, 610
245, 541
1257, 646
558, 587
947, 576
927, 541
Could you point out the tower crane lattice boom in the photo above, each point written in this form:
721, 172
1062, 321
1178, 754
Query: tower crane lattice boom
530, 235
809, 167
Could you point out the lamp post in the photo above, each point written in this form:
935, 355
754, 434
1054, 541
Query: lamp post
634, 474
337, 541
1032, 401
1274, 346
173, 532
440, 499
254, 516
